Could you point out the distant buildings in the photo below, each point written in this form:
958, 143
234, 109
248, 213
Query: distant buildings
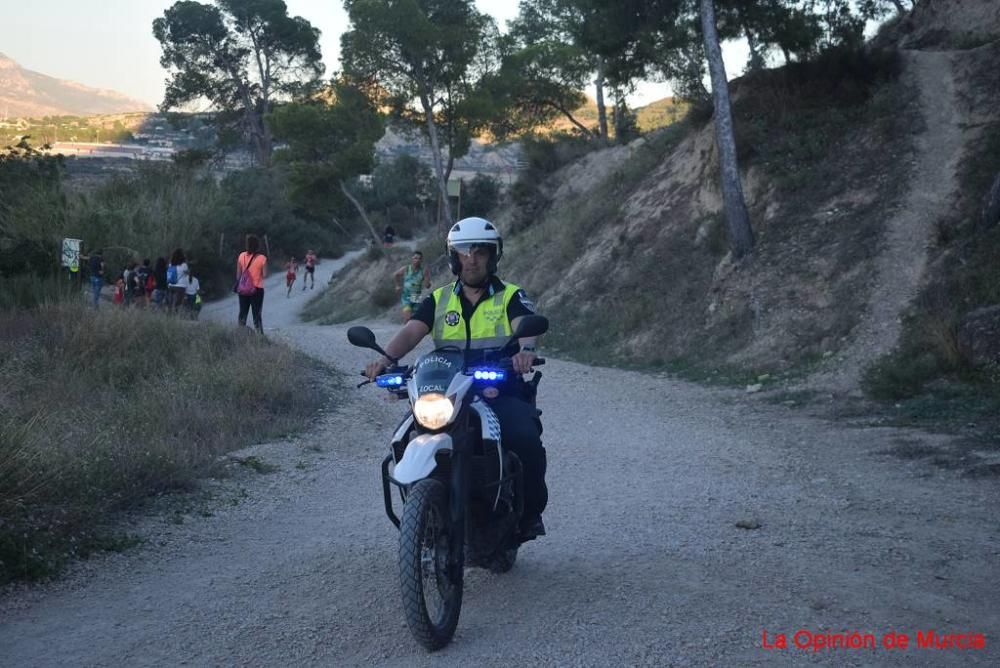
158, 137
95, 150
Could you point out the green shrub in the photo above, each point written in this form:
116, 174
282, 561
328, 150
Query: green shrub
900, 376
480, 196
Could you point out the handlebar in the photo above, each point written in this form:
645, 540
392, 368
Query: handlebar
504, 363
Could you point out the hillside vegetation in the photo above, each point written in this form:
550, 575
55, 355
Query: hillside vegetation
624, 246
928, 371
143, 212
99, 412
625, 249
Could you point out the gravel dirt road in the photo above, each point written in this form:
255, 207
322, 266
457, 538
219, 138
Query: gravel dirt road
652, 557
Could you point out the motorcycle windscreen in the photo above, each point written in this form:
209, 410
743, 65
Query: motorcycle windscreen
436, 370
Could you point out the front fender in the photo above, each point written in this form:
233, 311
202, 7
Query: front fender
418, 458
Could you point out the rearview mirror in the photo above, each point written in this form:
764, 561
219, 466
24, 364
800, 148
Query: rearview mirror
362, 337
531, 325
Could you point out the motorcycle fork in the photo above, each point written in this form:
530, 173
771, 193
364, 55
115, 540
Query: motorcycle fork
459, 497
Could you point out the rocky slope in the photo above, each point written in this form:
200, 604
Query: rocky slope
28, 94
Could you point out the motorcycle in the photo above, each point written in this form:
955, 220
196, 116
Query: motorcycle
462, 492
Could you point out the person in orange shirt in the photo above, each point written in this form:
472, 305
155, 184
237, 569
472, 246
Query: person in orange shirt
254, 263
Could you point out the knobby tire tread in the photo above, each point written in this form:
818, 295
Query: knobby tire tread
420, 496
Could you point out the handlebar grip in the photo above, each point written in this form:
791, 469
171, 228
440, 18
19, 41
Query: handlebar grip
539, 361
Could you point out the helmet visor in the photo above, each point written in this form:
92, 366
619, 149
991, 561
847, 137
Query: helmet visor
467, 247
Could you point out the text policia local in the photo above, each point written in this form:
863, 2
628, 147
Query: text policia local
891, 640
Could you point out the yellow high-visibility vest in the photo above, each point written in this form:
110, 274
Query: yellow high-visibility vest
488, 328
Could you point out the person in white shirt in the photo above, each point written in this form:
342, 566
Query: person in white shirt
192, 296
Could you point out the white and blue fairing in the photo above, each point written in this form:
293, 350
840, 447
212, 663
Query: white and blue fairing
440, 372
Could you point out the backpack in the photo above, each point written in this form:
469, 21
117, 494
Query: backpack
141, 281
172, 275
245, 286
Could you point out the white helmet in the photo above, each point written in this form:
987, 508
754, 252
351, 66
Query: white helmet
470, 232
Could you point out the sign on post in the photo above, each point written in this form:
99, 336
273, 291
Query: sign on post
71, 254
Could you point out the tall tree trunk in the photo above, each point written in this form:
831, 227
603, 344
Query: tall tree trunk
263, 107
756, 57
266, 142
260, 134
602, 112
991, 211
425, 101
362, 213
737, 218
449, 166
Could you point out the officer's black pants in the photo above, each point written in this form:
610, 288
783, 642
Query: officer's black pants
521, 431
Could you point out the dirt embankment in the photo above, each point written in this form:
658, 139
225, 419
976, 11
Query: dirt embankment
630, 255
851, 168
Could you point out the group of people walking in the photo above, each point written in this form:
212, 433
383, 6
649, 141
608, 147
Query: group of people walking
172, 286
166, 284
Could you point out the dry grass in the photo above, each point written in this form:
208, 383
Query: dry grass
99, 411
29, 291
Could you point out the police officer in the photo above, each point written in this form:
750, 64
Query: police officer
475, 312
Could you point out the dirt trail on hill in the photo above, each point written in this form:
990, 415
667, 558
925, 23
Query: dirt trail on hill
645, 562
900, 266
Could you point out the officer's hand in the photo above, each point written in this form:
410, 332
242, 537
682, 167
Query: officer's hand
376, 367
522, 361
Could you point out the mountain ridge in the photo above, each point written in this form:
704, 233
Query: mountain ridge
26, 93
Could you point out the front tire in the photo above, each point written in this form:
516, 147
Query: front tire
432, 589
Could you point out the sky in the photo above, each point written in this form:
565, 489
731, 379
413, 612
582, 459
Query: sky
109, 43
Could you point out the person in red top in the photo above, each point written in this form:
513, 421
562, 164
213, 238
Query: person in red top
310, 271
254, 263
119, 297
291, 271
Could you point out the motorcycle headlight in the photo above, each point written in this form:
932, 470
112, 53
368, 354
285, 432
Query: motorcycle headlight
433, 410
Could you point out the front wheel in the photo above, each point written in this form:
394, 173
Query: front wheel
432, 588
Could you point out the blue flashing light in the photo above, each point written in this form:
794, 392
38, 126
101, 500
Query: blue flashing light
389, 380
488, 374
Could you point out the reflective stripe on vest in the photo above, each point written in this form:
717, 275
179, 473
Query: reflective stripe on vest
489, 327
